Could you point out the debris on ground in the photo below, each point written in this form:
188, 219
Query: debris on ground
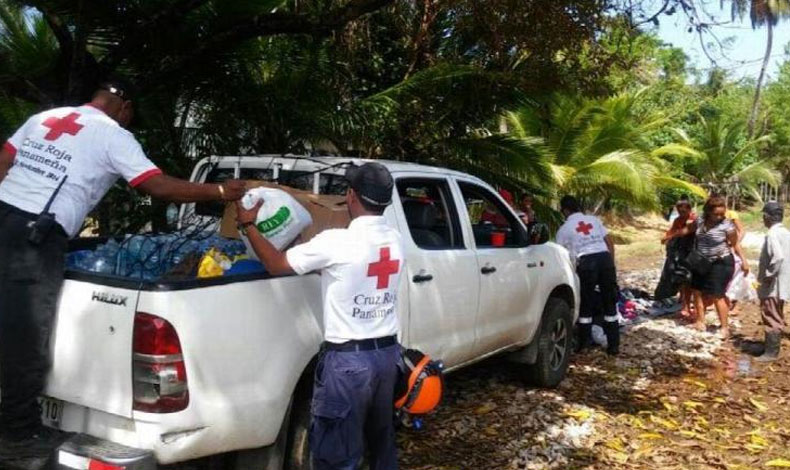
675, 398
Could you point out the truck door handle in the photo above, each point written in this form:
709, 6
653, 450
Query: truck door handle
532, 265
418, 278
487, 269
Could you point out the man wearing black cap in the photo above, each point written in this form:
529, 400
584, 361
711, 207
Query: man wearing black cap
360, 271
53, 171
774, 279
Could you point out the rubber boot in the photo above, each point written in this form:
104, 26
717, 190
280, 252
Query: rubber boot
773, 341
612, 330
583, 336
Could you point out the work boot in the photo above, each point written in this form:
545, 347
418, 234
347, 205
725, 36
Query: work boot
612, 331
583, 336
773, 341
753, 348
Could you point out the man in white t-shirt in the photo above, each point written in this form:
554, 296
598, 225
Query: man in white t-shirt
360, 270
53, 171
592, 249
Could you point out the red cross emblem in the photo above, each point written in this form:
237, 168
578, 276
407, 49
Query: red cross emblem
65, 125
584, 228
383, 268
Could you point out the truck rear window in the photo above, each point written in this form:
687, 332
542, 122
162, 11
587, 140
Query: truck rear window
328, 184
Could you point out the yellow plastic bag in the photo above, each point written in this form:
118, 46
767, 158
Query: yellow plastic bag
213, 264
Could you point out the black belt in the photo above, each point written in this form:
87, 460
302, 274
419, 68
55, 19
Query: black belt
362, 344
29, 216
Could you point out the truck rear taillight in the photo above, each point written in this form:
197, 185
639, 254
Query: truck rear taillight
159, 373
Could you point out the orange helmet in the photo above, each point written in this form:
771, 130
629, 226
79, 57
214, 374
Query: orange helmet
420, 383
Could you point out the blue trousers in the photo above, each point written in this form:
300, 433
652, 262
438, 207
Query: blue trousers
353, 407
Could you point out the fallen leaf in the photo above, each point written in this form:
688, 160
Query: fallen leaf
650, 435
615, 444
696, 382
620, 457
692, 404
485, 408
784, 463
758, 404
582, 415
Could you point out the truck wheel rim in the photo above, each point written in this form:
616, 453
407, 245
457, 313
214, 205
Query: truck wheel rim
559, 347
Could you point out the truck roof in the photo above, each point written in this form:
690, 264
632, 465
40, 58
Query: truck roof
394, 166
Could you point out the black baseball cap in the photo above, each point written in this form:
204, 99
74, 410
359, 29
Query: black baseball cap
774, 209
118, 87
372, 182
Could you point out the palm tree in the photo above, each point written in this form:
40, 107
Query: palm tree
762, 13
596, 149
723, 159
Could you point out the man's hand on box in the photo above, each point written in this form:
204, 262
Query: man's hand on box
233, 190
244, 216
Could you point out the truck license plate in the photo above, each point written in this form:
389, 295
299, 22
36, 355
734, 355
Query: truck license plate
51, 411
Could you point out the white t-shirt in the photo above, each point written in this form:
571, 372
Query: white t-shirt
360, 271
81, 142
582, 235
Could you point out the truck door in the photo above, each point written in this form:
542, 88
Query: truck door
504, 261
441, 270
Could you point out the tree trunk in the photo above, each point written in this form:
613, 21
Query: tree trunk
761, 78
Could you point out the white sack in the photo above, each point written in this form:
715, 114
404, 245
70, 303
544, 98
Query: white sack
281, 218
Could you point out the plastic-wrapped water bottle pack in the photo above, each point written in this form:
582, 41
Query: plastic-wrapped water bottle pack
150, 257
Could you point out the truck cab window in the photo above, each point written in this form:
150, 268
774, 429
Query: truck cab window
493, 225
430, 213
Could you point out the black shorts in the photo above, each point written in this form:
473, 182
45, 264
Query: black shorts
715, 282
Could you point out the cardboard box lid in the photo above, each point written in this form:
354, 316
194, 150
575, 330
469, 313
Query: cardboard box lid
326, 210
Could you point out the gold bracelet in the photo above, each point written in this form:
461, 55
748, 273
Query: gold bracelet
221, 191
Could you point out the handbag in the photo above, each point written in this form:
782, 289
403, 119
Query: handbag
698, 263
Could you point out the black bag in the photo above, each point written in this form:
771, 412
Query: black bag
698, 263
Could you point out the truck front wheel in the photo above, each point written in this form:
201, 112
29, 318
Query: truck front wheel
554, 345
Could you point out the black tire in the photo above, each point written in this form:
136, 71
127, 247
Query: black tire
554, 345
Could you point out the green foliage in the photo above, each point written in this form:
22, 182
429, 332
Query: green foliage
722, 158
545, 96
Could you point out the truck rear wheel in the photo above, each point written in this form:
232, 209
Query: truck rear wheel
554, 345
264, 458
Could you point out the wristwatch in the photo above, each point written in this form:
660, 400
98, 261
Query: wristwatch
243, 226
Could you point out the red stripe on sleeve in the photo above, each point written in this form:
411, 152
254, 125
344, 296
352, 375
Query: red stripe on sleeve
144, 176
8, 147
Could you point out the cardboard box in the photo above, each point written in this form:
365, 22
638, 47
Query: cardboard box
327, 211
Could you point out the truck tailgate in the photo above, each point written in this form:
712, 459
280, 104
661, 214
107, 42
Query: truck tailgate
92, 347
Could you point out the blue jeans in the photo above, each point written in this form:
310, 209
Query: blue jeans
353, 407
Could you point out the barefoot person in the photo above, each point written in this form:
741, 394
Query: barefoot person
774, 278
716, 239
676, 276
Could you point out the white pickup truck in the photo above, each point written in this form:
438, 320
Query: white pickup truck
155, 373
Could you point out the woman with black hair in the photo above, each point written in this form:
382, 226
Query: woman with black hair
711, 261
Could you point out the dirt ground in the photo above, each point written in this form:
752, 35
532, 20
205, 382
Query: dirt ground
673, 399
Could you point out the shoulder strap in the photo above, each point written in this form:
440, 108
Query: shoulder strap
57, 190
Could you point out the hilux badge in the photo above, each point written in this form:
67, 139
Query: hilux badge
112, 299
